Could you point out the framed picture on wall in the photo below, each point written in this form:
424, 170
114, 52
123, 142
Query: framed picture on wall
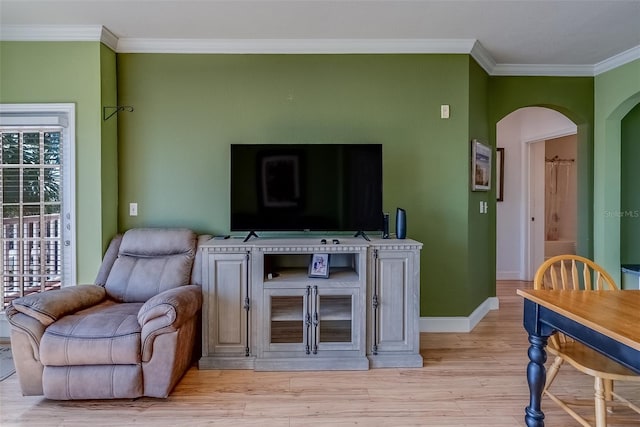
480, 166
500, 174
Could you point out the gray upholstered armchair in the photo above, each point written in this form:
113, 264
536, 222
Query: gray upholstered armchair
131, 334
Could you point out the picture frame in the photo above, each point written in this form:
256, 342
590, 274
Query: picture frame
500, 174
480, 166
319, 266
280, 181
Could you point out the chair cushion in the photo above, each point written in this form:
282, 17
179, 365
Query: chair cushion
155, 242
108, 334
151, 261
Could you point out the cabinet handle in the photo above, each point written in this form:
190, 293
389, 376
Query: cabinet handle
307, 322
316, 320
374, 304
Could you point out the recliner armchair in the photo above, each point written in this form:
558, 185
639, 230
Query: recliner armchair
131, 334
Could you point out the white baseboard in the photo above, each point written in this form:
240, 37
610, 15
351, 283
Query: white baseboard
461, 323
508, 275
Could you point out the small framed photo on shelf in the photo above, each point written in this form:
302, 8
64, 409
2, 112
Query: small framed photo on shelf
319, 266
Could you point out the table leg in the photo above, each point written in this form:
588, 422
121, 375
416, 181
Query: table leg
536, 373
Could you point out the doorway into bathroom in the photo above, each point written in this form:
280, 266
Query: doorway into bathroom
560, 196
540, 189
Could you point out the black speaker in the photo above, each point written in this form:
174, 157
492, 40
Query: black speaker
385, 225
401, 223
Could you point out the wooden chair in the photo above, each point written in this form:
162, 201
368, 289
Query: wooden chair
579, 273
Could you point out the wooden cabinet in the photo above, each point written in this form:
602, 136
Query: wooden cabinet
309, 323
226, 310
394, 306
262, 310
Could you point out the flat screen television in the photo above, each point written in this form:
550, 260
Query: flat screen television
306, 187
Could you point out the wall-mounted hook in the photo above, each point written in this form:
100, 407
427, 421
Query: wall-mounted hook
116, 109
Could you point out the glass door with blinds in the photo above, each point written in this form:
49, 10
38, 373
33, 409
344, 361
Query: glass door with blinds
31, 210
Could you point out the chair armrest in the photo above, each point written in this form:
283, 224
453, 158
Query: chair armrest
175, 305
47, 307
28, 325
166, 312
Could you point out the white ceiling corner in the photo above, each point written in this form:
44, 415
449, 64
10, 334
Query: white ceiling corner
483, 57
109, 39
617, 60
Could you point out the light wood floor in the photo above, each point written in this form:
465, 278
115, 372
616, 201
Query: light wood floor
474, 379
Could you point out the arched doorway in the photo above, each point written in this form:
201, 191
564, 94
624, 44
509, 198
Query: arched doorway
520, 217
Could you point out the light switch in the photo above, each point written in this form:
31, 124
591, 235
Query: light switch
133, 209
444, 111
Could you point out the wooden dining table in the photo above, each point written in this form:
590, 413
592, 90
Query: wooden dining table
607, 321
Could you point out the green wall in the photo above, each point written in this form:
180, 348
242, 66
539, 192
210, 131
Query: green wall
571, 96
616, 93
174, 149
109, 145
171, 155
58, 72
482, 227
629, 194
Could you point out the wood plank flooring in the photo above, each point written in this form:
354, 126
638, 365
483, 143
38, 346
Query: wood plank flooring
474, 379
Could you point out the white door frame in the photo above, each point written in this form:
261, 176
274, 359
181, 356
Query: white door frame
63, 115
534, 239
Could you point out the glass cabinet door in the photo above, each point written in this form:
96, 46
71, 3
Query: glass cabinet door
334, 321
287, 315
288, 320
335, 318
311, 320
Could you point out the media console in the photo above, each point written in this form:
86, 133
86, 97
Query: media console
262, 311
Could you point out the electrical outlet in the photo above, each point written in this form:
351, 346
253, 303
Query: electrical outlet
133, 209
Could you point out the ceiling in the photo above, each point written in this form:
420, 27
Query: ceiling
576, 36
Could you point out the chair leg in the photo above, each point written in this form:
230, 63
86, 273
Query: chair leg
600, 405
552, 372
608, 394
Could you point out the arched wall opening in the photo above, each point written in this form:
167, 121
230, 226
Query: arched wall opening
520, 242
614, 206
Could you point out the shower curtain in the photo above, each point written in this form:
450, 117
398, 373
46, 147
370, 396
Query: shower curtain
557, 173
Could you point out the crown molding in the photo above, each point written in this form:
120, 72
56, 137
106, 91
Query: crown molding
309, 46
617, 60
65, 33
109, 39
51, 32
483, 57
542, 70
295, 46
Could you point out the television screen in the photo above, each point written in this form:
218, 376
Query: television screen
315, 187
